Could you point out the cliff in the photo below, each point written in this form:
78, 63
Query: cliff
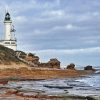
15, 59
8, 58
19, 64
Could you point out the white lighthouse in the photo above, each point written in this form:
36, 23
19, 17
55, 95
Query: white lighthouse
9, 37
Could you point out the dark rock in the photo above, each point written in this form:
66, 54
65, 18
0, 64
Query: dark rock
89, 68
90, 98
19, 87
59, 87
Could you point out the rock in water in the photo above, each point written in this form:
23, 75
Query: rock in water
89, 68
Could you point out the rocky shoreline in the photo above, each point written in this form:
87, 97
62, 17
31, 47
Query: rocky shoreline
8, 76
18, 90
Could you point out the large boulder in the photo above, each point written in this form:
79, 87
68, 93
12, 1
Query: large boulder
71, 66
89, 67
54, 63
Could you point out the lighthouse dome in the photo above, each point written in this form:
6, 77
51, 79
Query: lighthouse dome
7, 16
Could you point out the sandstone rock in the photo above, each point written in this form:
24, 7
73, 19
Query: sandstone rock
54, 63
11, 91
71, 66
32, 58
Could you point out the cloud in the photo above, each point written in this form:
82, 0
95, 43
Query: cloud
20, 19
70, 27
71, 51
53, 13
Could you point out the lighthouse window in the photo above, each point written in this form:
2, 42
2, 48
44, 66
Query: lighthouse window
12, 42
7, 42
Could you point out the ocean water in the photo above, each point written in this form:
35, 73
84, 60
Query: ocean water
93, 84
83, 86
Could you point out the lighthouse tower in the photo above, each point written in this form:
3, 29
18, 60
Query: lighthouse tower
9, 37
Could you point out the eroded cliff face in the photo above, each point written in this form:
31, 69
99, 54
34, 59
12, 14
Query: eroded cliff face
11, 58
33, 61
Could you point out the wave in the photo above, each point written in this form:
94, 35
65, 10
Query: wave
97, 72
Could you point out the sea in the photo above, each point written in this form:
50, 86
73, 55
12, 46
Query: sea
82, 86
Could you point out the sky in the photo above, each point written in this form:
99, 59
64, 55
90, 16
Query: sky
68, 30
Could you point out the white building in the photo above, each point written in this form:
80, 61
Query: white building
9, 39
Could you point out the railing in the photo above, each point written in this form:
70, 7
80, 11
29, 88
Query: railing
9, 40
